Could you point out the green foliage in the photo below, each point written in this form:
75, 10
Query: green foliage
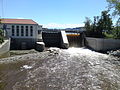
105, 22
88, 26
1, 36
100, 25
116, 32
1, 32
108, 35
1, 40
115, 5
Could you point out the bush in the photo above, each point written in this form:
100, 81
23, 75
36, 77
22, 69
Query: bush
1, 36
1, 40
108, 35
116, 32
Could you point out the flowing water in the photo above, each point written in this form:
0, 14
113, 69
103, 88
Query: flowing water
70, 69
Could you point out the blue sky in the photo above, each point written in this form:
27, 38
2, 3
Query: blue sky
54, 13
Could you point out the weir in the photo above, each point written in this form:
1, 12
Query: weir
75, 39
49, 38
55, 39
63, 39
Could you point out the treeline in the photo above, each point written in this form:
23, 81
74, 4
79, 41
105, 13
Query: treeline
102, 26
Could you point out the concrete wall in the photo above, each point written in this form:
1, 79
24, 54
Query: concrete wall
64, 40
52, 39
5, 47
55, 39
22, 43
100, 44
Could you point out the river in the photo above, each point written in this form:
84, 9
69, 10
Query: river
63, 69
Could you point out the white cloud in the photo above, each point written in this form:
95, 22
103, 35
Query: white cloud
56, 25
20, 18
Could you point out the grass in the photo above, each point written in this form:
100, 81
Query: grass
108, 35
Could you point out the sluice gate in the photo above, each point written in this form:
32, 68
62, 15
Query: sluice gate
51, 39
55, 39
60, 39
63, 39
75, 39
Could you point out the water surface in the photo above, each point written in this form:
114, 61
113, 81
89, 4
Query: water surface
70, 69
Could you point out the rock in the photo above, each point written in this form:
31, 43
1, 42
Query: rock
40, 46
115, 53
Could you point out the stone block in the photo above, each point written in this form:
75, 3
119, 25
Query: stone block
40, 46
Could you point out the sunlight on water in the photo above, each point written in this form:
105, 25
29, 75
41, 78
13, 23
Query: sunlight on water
63, 69
27, 67
84, 51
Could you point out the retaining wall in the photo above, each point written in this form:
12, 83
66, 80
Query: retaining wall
22, 43
100, 44
5, 47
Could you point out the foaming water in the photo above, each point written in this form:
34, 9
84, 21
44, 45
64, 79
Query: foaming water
69, 69
84, 51
74, 69
81, 50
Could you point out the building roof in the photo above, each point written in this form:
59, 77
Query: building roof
18, 21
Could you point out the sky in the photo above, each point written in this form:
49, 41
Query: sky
53, 13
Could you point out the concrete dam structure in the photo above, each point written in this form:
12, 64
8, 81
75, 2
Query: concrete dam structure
63, 39
60, 39
55, 39
75, 39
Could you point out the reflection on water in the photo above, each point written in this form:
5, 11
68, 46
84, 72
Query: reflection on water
10, 74
71, 69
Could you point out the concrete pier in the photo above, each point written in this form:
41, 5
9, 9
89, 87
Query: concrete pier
40, 46
64, 40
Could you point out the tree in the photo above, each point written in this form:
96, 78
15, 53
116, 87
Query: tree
88, 27
100, 24
1, 35
88, 23
105, 22
115, 5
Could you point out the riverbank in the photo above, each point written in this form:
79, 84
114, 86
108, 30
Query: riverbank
12, 53
114, 53
23, 55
